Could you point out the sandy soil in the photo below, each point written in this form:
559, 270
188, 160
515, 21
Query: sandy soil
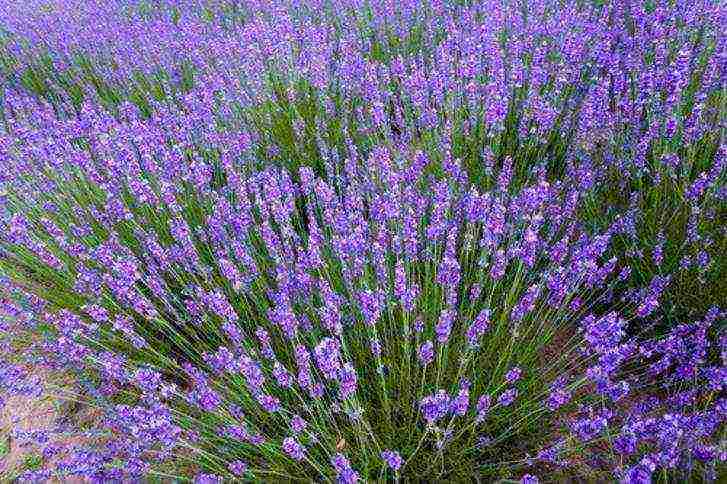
47, 411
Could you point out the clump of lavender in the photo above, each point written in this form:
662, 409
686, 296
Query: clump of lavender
676, 426
299, 268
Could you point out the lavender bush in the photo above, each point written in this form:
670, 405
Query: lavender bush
364, 241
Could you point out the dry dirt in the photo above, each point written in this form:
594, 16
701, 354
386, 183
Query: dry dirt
50, 410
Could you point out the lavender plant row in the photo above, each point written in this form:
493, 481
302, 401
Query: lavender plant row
369, 241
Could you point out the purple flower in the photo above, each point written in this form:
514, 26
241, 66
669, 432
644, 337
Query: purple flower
658, 254
282, 376
293, 448
344, 471
327, 356
461, 402
625, 444
269, 403
207, 479
444, 326
375, 347
650, 301
435, 407
483, 407
370, 304
347, 381
638, 474
392, 459
551, 454
513, 375
238, 468
297, 424
529, 479
526, 303
316, 390
478, 327
557, 397
426, 353
590, 426
507, 397
605, 333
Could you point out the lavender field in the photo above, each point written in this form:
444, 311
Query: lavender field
363, 241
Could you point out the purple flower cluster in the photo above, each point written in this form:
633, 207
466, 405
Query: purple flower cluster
293, 448
392, 459
344, 471
327, 357
435, 407
478, 327
426, 353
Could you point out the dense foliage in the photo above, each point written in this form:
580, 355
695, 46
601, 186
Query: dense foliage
350, 240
